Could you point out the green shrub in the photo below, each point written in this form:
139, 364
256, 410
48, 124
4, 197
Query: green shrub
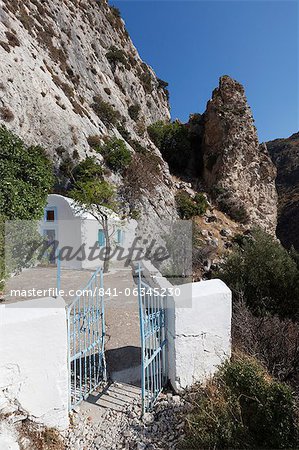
174, 143
265, 274
133, 111
135, 214
116, 154
88, 169
116, 55
107, 114
163, 85
124, 132
189, 207
146, 80
156, 132
137, 146
242, 407
201, 203
133, 142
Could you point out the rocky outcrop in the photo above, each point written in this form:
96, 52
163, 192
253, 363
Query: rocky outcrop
236, 168
285, 155
71, 76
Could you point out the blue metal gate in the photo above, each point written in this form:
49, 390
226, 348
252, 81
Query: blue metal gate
86, 340
152, 313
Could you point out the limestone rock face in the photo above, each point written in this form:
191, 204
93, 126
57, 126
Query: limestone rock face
235, 166
62, 63
285, 155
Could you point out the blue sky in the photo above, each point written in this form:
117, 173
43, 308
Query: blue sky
191, 43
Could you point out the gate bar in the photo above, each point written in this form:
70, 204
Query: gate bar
139, 272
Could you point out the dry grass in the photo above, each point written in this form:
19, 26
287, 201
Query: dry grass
40, 439
273, 341
6, 114
67, 89
12, 39
5, 45
94, 140
143, 175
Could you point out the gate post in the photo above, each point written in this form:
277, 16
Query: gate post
198, 328
199, 333
141, 319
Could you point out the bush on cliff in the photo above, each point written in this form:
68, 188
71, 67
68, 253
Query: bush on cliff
189, 207
173, 141
265, 275
116, 154
242, 407
275, 342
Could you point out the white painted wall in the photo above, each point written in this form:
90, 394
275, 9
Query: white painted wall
198, 329
33, 360
67, 227
199, 334
75, 228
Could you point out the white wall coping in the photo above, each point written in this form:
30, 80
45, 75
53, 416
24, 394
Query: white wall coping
30, 309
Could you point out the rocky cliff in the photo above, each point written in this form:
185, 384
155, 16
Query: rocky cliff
285, 155
71, 76
236, 168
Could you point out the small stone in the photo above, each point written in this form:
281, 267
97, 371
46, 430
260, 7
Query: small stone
225, 232
214, 242
140, 446
98, 440
148, 418
9, 409
212, 218
155, 428
176, 399
19, 418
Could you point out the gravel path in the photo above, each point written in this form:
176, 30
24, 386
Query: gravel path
114, 423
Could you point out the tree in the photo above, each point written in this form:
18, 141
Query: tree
96, 196
26, 178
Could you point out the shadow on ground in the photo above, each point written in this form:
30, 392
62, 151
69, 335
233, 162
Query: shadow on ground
123, 365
